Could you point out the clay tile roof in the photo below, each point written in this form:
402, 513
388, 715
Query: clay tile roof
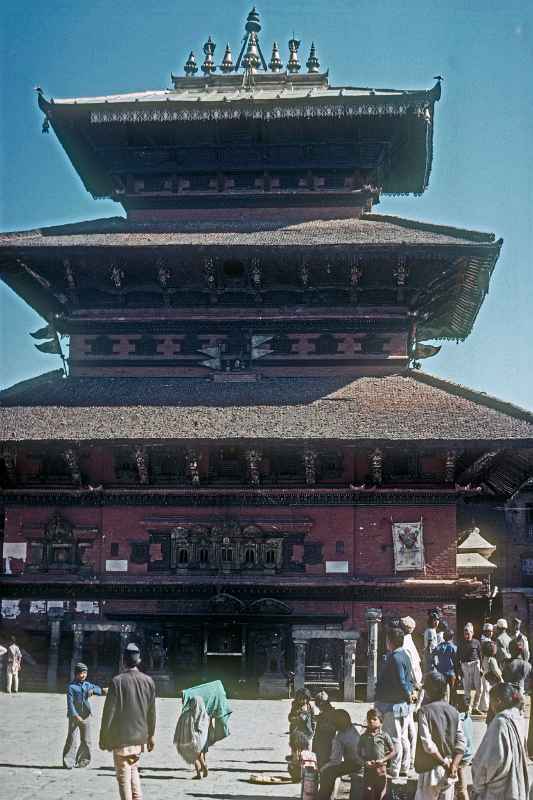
407, 406
371, 229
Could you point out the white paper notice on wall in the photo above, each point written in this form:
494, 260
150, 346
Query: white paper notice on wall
10, 609
116, 565
38, 607
11, 550
88, 606
336, 566
55, 604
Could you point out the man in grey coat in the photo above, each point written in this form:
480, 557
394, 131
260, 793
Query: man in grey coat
128, 722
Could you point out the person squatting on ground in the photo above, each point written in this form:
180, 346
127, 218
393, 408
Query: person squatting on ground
395, 693
325, 729
14, 666
491, 672
408, 626
440, 745
344, 759
301, 728
79, 714
499, 768
128, 722
191, 734
469, 655
375, 749
445, 662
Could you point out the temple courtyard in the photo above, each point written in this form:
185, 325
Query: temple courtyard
34, 727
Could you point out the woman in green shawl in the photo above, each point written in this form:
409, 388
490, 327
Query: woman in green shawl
217, 706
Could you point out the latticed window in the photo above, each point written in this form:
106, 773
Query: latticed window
249, 555
326, 344
226, 554
270, 556
183, 556
203, 555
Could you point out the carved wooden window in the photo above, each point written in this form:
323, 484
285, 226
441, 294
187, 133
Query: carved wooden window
203, 555
102, 346
233, 273
270, 557
401, 465
183, 556
60, 555
286, 466
249, 555
326, 344
35, 555
145, 346
139, 552
226, 554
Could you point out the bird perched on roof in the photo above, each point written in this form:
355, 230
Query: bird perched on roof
438, 78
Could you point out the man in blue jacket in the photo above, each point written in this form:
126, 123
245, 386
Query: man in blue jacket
79, 719
394, 694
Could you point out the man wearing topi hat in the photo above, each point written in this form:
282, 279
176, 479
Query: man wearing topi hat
79, 713
503, 640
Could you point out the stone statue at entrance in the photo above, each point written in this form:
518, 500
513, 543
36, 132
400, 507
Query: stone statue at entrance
273, 682
157, 653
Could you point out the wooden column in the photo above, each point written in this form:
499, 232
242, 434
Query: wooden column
373, 617
299, 664
77, 647
53, 654
350, 647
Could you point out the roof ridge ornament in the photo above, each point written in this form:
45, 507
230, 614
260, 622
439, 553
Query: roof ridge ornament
275, 64
190, 67
312, 63
250, 43
293, 65
227, 62
209, 62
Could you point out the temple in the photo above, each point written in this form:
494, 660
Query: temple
242, 466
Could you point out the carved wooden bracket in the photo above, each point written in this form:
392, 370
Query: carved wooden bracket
71, 457
376, 465
140, 459
310, 462
253, 459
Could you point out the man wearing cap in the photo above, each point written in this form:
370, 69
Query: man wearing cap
517, 636
79, 718
128, 722
469, 654
487, 632
503, 640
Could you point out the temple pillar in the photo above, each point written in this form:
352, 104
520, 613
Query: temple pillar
373, 618
125, 632
350, 647
299, 664
53, 655
77, 646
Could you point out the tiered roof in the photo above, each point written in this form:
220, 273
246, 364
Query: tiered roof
406, 407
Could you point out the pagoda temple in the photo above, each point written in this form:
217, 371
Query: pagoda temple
242, 466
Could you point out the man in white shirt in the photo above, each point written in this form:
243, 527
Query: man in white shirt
14, 664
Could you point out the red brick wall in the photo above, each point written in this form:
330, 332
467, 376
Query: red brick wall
364, 531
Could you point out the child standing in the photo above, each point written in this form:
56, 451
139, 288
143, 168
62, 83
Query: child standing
375, 749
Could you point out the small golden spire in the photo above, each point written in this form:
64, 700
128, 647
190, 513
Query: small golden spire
275, 63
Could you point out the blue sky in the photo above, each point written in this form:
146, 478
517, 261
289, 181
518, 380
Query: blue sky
482, 170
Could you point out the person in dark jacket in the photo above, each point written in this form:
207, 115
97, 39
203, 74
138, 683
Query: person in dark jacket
517, 670
325, 729
128, 722
395, 691
301, 729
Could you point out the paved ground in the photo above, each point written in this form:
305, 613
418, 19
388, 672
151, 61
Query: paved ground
34, 727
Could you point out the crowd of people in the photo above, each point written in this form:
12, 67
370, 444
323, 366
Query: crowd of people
421, 724
129, 720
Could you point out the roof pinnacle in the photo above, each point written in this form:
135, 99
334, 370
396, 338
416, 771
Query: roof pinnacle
293, 64
312, 63
209, 62
275, 63
190, 67
227, 61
